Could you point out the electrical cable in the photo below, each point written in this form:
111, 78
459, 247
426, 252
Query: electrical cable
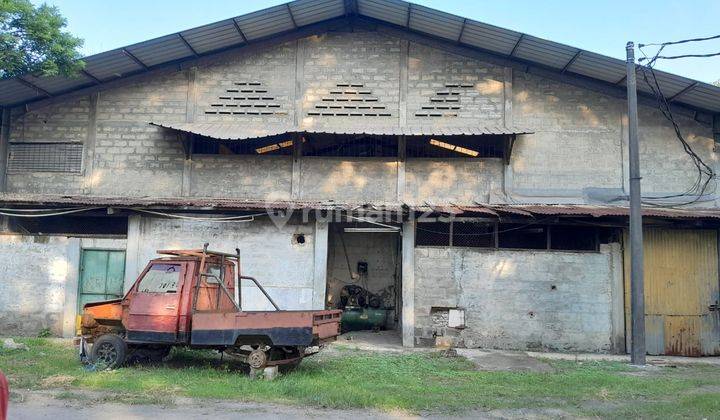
60, 213
698, 189
675, 57
37, 210
683, 41
243, 218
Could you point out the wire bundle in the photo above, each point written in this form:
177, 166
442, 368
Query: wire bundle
705, 174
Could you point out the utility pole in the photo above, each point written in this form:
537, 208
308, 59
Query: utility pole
637, 287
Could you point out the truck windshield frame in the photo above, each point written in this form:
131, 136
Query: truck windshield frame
160, 278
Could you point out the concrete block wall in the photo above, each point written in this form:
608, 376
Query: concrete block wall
268, 251
352, 180
32, 293
577, 141
67, 121
665, 167
579, 144
359, 57
451, 180
252, 177
133, 157
430, 70
273, 67
40, 285
518, 299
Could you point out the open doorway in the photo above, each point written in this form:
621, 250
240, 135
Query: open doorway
364, 276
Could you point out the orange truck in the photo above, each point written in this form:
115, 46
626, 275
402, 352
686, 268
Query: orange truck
192, 298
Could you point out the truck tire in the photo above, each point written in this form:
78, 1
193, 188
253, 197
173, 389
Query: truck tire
108, 351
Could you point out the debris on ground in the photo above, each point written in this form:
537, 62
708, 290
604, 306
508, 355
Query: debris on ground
10, 344
57, 381
449, 353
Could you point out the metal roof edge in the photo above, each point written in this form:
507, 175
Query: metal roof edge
684, 90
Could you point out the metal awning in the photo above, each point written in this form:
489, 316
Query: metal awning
267, 23
22, 200
536, 210
235, 131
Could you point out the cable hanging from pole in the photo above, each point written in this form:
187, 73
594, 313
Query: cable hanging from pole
705, 174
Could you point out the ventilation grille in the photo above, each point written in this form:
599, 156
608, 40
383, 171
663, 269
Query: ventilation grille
45, 157
446, 102
350, 100
246, 98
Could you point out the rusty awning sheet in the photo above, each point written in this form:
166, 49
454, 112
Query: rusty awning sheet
532, 210
188, 203
237, 131
473, 210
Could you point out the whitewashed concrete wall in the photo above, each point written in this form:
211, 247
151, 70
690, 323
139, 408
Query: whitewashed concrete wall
39, 284
520, 299
285, 268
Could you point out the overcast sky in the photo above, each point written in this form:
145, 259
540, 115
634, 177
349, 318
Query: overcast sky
600, 26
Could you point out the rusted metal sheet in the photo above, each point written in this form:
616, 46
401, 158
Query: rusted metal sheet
681, 285
580, 210
15, 199
20, 199
682, 335
237, 131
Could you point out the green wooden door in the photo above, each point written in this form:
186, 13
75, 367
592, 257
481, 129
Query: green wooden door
102, 274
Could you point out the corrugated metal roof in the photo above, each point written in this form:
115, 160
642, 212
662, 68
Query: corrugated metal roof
205, 203
525, 210
568, 210
275, 20
236, 131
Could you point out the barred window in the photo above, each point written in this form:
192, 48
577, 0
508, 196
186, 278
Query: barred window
529, 235
432, 234
45, 157
473, 234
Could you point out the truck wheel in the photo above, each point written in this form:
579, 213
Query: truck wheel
109, 351
257, 359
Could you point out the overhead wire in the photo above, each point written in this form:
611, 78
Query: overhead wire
241, 218
705, 174
682, 41
36, 212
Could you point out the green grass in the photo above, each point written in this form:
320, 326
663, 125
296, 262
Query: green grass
411, 382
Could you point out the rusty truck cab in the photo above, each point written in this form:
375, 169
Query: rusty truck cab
192, 298
158, 307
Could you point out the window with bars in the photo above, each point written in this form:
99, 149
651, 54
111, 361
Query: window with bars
45, 157
473, 234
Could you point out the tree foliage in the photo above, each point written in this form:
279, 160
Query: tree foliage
33, 40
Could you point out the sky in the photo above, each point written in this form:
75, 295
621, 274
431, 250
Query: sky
602, 26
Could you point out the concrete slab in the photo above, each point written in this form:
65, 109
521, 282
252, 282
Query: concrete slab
652, 360
502, 361
382, 341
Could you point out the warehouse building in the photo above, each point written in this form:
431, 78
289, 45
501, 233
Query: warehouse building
468, 181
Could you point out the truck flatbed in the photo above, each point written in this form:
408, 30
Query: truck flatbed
193, 298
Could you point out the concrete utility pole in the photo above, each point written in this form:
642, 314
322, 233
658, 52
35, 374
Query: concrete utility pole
637, 281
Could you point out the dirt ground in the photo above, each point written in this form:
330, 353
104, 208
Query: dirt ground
61, 404
91, 405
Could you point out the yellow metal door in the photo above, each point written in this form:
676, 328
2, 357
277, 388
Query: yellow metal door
681, 291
